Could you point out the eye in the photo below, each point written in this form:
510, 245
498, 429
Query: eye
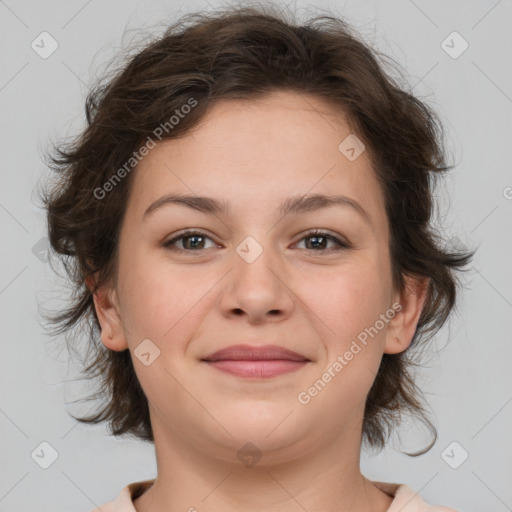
190, 240
319, 240
194, 241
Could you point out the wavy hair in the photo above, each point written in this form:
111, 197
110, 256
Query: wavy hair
244, 53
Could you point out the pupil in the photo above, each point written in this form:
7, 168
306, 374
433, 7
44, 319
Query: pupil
316, 238
194, 237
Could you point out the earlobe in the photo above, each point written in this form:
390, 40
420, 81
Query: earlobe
105, 304
402, 327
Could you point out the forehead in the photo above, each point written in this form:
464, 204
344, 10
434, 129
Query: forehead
259, 152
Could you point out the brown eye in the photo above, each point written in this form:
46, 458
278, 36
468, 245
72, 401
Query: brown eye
320, 239
192, 241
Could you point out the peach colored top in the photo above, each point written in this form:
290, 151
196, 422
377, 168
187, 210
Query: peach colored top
405, 499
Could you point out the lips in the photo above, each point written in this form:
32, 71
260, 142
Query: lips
261, 362
252, 353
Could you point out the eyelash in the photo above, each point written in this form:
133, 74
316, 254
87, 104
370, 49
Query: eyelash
315, 233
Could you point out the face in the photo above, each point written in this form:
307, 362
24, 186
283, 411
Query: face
252, 273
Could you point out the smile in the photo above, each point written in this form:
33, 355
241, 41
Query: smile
256, 362
255, 369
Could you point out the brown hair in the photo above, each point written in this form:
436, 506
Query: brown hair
246, 52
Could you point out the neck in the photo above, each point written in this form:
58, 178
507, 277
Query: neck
194, 478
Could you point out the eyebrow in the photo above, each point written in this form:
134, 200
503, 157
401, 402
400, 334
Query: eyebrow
292, 205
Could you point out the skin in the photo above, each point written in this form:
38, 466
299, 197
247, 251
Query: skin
255, 154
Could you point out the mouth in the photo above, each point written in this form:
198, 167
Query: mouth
256, 362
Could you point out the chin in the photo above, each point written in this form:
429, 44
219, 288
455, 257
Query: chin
266, 430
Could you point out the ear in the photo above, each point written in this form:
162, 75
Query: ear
107, 310
402, 327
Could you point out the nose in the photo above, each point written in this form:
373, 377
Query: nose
257, 290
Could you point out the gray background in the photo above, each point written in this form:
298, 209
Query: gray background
467, 381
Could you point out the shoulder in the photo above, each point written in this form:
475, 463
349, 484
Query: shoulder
407, 500
124, 500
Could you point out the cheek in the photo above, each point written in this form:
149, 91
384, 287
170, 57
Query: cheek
348, 298
159, 300
349, 308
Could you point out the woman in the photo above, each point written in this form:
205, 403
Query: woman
247, 222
